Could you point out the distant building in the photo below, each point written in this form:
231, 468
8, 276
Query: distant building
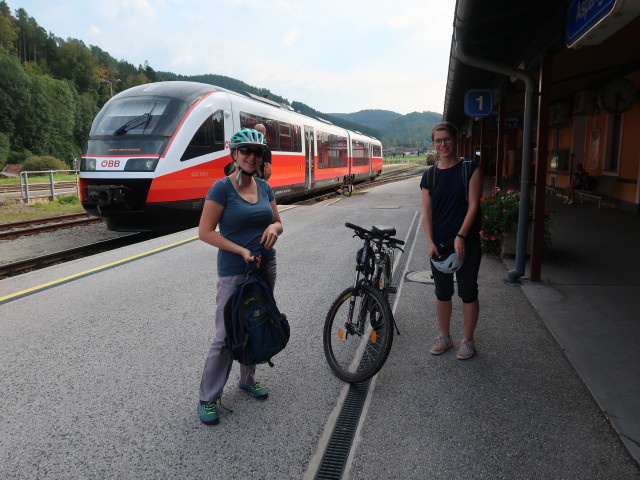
11, 171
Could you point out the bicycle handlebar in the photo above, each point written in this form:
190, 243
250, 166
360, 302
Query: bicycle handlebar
363, 232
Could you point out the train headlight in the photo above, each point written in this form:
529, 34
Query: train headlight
88, 165
141, 165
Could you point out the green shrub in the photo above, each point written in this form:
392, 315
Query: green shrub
19, 156
4, 149
68, 200
35, 164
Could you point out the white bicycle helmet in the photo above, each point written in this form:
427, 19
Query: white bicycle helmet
447, 261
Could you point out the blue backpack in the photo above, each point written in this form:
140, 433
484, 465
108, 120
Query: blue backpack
256, 330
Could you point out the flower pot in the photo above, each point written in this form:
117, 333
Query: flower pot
508, 244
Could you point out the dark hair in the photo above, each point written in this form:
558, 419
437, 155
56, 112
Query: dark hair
447, 126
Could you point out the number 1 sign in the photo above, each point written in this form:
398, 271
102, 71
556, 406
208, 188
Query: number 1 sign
478, 103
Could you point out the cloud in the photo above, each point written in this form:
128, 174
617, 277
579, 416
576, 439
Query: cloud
290, 37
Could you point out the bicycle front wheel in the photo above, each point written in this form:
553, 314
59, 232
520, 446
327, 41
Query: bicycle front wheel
358, 333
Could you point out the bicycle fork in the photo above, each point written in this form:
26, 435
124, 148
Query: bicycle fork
349, 326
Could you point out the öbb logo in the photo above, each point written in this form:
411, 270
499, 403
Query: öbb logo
110, 163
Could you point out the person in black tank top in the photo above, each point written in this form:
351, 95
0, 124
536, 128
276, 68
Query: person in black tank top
450, 219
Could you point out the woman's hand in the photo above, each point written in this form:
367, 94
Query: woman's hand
432, 251
458, 245
270, 236
248, 258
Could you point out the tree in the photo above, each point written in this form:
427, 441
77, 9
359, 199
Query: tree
4, 149
14, 88
75, 62
85, 112
8, 30
149, 72
134, 80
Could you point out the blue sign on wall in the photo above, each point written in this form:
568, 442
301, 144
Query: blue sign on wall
583, 14
478, 103
509, 121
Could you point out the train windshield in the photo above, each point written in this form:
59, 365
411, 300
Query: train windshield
141, 125
158, 116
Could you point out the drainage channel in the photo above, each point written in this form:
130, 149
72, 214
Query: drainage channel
338, 448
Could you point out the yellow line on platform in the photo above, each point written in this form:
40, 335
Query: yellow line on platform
331, 203
93, 270
102, 267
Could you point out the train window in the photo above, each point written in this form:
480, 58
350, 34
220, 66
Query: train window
296, 139
360, 153
284, 143
250, 121
218, 127
332, 150
271, 136
377, 151
208, 138
247, 120
281, 136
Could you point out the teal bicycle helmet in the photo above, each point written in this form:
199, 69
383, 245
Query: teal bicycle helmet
244, 138
247, 136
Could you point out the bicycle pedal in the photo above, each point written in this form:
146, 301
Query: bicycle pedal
390, 290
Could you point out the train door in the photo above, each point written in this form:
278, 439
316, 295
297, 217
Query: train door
310, 148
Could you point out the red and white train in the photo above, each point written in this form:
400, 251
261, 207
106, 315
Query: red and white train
155, 150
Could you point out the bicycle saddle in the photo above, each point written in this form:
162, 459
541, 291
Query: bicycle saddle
383, 230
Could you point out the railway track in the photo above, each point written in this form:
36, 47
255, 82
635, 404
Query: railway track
47, 224
23, 266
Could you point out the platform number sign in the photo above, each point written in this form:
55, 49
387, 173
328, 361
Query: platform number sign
478, 103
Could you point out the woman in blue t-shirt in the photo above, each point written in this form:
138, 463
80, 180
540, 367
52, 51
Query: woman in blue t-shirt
244, 208
450, 219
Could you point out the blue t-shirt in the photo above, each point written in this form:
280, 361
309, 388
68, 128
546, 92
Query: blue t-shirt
241, 222
449, 202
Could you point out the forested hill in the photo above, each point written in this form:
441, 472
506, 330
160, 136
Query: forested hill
372, 118
411, 130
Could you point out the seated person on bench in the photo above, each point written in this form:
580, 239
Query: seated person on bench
580, 182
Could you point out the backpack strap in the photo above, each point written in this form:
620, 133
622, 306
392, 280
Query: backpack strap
466, 165
431, 178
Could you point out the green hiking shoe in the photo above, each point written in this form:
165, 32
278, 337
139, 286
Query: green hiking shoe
255, 390
208, 412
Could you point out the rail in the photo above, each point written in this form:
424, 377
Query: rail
46, 224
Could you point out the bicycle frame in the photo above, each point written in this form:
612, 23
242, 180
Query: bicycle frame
381, 246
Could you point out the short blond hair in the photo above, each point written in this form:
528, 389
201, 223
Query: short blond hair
446, 126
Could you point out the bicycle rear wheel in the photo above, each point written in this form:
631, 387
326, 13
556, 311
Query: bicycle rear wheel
357, 350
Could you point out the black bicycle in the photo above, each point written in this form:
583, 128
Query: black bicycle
358, 330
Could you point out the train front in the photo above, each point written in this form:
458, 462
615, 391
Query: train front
125, 155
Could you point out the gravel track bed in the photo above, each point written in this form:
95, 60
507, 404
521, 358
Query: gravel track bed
23, 248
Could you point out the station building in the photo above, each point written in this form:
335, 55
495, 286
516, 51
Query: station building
545, 85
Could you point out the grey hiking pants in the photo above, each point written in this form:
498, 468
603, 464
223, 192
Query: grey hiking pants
218, 361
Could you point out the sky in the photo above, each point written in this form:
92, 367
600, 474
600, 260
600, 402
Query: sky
336, 56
